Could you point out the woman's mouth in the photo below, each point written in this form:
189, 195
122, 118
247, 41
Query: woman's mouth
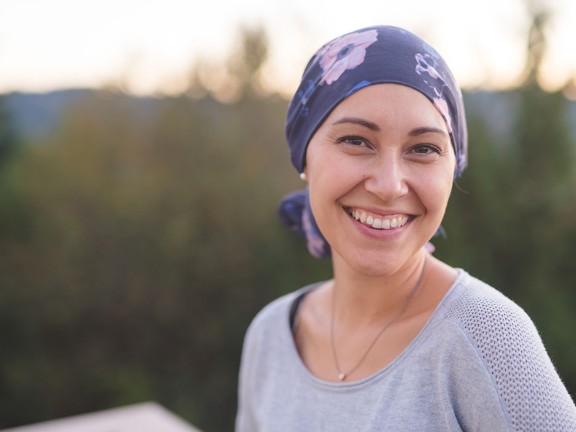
379, 222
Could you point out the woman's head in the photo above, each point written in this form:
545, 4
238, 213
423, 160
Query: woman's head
380, 54
342, 68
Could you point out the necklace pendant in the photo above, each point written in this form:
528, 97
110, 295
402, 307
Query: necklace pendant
341, 376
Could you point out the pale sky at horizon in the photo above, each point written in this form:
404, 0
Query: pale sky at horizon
151, 45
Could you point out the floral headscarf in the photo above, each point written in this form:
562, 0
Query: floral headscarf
373, 55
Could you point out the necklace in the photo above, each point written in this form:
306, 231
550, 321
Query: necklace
342, 375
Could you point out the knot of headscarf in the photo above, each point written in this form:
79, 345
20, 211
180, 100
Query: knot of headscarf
373, 55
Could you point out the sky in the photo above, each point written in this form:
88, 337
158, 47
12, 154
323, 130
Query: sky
150, 46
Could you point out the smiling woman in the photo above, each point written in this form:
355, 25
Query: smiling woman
383, 155
397, 340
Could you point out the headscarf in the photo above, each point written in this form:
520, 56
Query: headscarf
346, 64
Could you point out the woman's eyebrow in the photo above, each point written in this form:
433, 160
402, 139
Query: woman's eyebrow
374, 127
426, 129
367, 124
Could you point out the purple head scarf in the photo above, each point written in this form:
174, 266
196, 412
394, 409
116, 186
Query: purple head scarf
373, 55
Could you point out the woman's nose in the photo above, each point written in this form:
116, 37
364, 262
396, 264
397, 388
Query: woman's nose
386, 178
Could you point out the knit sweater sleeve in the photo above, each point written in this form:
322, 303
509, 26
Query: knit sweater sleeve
530, 390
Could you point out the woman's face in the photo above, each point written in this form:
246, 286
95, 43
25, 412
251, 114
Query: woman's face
380, 172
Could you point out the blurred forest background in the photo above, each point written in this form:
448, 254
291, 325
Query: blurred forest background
139, 236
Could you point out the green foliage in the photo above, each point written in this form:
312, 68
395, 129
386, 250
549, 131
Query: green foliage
136, 250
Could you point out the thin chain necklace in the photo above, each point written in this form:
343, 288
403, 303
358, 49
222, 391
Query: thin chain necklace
343, 375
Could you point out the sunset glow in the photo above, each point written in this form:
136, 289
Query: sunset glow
150, 47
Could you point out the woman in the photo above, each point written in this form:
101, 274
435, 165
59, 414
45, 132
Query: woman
397, 340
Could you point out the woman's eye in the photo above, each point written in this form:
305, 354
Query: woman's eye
353, 141
425, 149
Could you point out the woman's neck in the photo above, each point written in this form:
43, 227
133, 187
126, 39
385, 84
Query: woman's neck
364, 298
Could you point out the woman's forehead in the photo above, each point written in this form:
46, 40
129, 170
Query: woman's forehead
383, 103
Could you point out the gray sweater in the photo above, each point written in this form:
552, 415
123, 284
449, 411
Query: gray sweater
477, 365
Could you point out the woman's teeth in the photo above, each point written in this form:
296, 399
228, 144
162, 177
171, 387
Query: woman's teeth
379, 222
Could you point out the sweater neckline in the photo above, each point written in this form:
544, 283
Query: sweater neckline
302, 369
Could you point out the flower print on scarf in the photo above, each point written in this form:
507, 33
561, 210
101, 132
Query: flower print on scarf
315, 242
442, 106
345, 53
426, 66
303, 95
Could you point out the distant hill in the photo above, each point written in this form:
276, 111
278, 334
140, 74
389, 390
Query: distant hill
36, 114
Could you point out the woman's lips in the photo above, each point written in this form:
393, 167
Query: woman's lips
378, 221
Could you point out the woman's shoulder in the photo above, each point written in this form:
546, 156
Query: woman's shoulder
494, 325
478, 307
509, 346
491, 321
